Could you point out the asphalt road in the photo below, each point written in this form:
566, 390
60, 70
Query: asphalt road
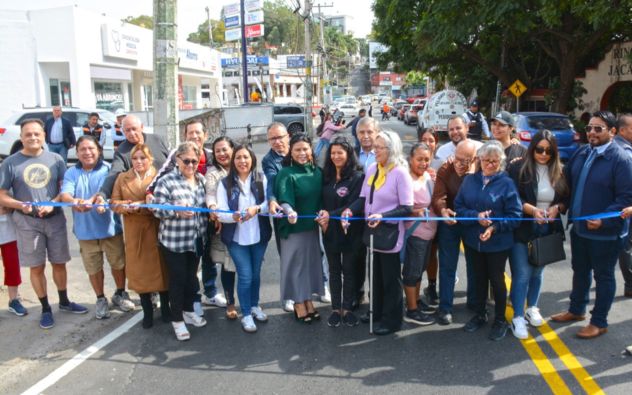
287, 357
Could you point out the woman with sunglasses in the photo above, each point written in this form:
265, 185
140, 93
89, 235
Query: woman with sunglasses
182, 235
342, 181
544, 194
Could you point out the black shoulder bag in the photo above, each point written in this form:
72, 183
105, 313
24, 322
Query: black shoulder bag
385, 235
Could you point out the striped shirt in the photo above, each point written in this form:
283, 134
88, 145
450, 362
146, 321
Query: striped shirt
180, 234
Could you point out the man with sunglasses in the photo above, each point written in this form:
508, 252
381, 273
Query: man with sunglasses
624, 139
595, 243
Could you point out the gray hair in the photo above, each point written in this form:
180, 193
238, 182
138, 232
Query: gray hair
369, 121
458, 116
492, 148
186, 147
394, 147
276, 125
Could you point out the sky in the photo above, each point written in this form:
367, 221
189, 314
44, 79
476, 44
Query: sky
192, 12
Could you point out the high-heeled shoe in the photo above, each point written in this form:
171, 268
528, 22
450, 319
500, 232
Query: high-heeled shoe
306, 319
315, 315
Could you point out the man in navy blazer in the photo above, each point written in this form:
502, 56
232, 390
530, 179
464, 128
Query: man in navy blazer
60, 135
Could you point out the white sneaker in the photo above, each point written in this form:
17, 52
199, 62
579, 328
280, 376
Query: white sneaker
519, 328
248, 324
182, 333
258, 314
326, 298
288, 305
218, 300
193, 319
533, 316
197, 309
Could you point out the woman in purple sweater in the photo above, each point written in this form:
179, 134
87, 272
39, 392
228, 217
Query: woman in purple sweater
387, 191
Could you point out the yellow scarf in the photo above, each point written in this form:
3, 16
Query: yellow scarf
381, 175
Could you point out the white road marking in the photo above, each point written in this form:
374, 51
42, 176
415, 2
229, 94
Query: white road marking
78, 359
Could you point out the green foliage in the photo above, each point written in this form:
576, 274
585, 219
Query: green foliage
464, 39
145, 21
201, 35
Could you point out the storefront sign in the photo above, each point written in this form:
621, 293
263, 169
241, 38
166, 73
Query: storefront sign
119, 42
296, 62
232, 34
231, 9
231, 21
620, 64
253, 31
251, 59
252, 5
254, 17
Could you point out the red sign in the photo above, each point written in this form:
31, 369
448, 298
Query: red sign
254, 31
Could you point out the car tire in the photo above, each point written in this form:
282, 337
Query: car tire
295, 128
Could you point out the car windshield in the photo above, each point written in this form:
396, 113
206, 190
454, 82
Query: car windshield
550, 123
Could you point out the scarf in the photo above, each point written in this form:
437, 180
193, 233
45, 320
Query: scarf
381, 175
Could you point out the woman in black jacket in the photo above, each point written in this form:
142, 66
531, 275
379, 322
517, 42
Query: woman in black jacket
342, 181
544, 193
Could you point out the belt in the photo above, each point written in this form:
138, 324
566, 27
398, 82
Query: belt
56, 143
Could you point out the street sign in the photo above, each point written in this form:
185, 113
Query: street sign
517, 88
232, 34
296, 61
231, 9
252, 5
231, 21
254, 17
253, 31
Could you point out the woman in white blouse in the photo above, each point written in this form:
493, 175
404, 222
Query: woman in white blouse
242, 193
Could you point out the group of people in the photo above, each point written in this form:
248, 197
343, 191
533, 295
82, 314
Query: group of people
494, 197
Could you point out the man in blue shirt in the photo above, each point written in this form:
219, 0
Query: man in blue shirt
367, 130
624, 139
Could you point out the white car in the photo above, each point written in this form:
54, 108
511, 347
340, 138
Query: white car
350, 110
10, 128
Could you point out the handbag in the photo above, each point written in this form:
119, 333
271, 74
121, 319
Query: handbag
385, 235
547, 249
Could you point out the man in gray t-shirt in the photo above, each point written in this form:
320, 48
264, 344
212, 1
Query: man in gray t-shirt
35, 175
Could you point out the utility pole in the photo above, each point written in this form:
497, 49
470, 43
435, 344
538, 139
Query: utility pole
210, 27
323, 67
244, 55
166, 71
308, 91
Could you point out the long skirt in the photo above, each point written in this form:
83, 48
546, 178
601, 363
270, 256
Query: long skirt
301, 267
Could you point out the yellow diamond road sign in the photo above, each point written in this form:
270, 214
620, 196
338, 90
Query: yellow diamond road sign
517, 88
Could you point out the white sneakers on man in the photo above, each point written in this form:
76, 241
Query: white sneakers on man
248, 324
258, 314
193, 319
218, 300
519, 328
532, 314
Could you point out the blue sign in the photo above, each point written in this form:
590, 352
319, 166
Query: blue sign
251, 59
231, 21
296, 62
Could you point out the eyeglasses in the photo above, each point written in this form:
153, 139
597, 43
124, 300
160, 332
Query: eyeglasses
596, 128
276, 138
542, 150
493, 162
464, 162
379, 147
189, 162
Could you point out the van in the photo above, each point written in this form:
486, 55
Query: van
439, 108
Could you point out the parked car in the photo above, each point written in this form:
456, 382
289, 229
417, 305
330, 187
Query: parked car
410, 117
349, 110
401, 113
10, 128
290, 115
529, 123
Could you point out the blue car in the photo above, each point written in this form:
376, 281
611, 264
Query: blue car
528, 124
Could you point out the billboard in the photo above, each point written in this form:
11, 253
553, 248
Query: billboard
374, 49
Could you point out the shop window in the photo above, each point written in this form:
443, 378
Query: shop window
189, 99
148, 100
109, 95
54, 92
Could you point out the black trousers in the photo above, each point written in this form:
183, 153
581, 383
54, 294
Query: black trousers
360, 271
183, 282
388, 301
489, 268
341, 278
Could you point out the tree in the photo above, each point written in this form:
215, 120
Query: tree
145, 21
201, 35
464, 39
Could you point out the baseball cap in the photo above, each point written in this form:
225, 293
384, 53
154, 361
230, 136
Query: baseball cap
504, 117
120, 112
474, 103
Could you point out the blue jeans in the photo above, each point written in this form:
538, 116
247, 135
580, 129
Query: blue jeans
322, 144
449, 237
596, 258
59, 149
526, 279
248, 260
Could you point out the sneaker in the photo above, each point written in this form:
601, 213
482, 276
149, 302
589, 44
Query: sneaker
123, 302
155, 300
350, 319
419, 318
193, 319
475, 323
288, 305
258, 314
533, 316
197, 309
519, 328
180, 328
102, 309
248, 324
73, 308
444, 318
431, 295
218, 300
424, 308
334, 320
456, 280
499, 330
15, 307
46, 320
326, 297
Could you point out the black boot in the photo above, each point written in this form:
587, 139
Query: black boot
148, 310
165, 310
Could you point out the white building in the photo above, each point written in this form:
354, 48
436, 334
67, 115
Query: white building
76, 57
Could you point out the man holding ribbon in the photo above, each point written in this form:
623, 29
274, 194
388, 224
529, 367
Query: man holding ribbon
596, 237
